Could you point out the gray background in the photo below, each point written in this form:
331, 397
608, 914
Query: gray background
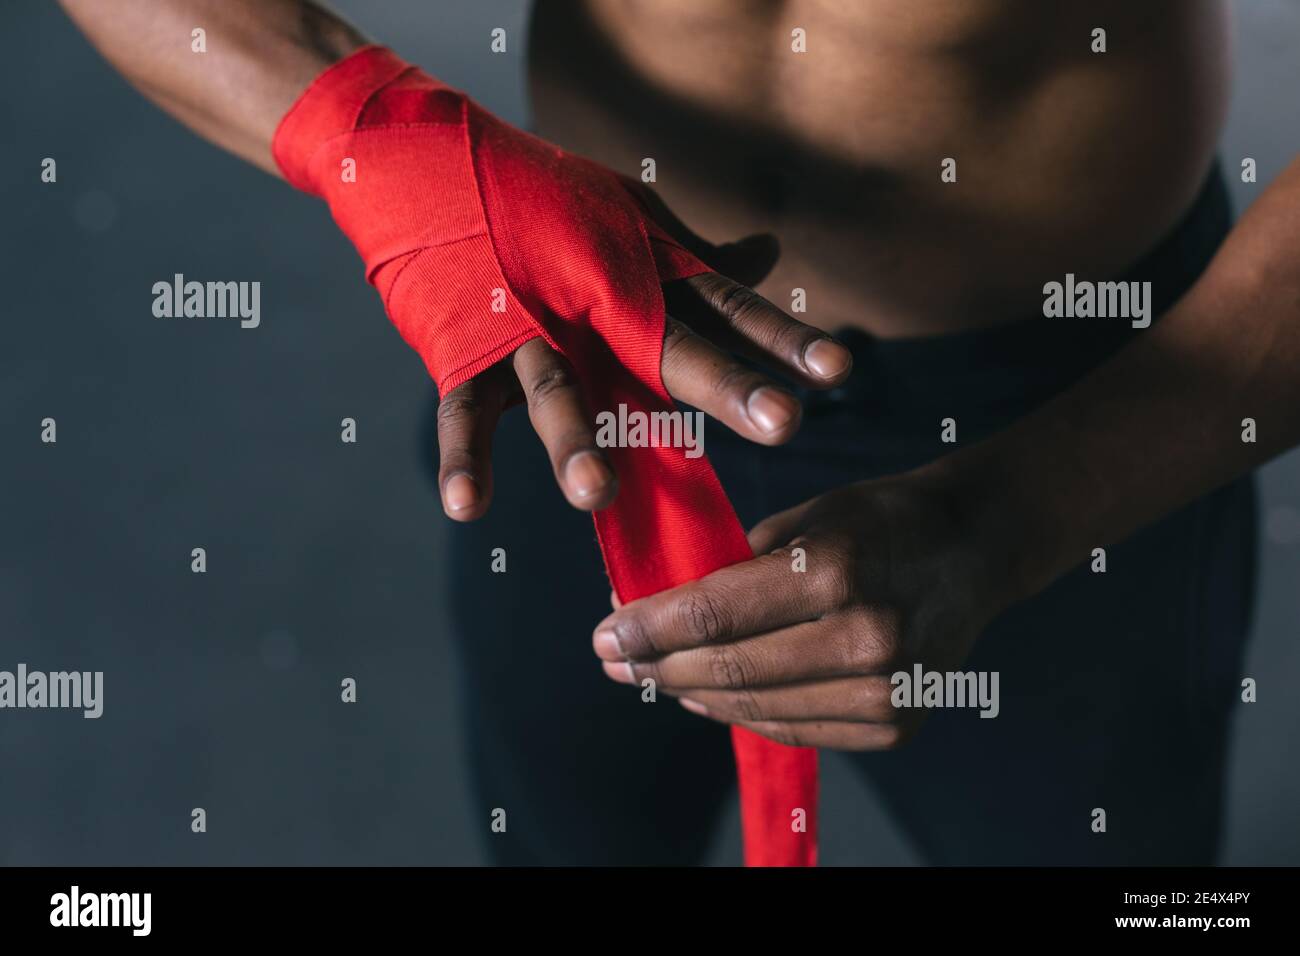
222, 689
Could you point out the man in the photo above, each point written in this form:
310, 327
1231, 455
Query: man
1058, 496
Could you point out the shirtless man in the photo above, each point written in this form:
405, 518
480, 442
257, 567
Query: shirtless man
1066, 502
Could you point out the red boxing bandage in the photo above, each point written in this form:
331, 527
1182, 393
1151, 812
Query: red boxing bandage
480, 237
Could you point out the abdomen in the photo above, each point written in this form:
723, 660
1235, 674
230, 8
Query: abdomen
1067, 160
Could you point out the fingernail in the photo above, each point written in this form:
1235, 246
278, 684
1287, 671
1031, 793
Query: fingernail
586, 473
770, 409
695, 707
460, 492
607, 646
826, 359
619, 672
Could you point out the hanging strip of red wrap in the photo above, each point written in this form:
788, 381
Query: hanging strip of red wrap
480, 237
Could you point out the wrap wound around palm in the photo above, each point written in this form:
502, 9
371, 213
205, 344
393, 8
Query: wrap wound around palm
495, 252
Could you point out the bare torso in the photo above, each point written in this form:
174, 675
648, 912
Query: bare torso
1066, 160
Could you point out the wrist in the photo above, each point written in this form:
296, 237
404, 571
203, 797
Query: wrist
1011, 552
330, 107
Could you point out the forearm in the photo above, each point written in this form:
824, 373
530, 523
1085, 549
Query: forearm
260, 56
1160, 423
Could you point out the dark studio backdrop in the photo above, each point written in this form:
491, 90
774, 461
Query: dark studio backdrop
221, 689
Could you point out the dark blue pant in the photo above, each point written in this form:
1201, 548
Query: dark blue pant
1115, 688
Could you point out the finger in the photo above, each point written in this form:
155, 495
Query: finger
752, 597
614, 602
851, 699
555, 408
835, 735
699, 373
834, 647
740, 320
779, 529
467, 417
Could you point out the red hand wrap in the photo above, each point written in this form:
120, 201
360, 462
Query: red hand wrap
455, 212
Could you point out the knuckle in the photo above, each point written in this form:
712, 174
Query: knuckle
867, 644
711, 287
833, 579
675, 336
677, 351
736, 302
458, 405
745, 704
549, 382
731, 669
859, 650
702, 617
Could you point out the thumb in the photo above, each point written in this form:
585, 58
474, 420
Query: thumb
778, 530
747, 261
